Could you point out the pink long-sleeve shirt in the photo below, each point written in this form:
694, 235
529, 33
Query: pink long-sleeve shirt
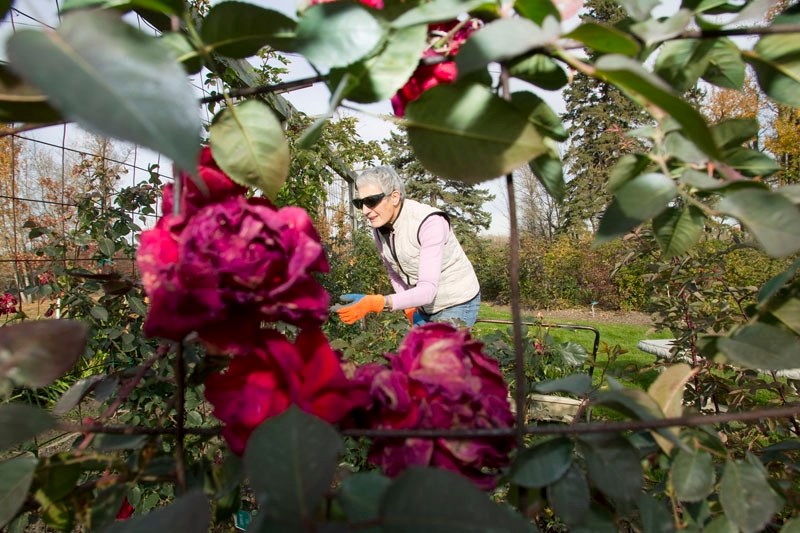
433, 234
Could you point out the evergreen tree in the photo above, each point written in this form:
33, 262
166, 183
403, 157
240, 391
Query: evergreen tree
463, 202
599, 117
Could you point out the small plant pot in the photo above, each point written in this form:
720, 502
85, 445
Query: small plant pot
552, 408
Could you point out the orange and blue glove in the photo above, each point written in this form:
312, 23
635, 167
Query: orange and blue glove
413, 316
360, 306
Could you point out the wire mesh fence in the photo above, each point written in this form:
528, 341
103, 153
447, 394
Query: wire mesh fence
48, 172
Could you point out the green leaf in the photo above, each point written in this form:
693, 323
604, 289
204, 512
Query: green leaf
136, 304
239, 29
571, 353
734, 132
361, 495
75, 394
21, 422
604, 38
337, 34
99, 312
761, 345
435, 11
290, 460
751, 163
432, 500
773, 219
577, 384
249, 146
639, 9
631, 402
625, 169
21, 102
35, 353
187, 513
788, 312
106, 246
746, 496
630, 76
725, 66
56, 479
646, 195
543, 464
569, 496
635, 202
381, 76
540, 114
536, 10
776, 61
549, 170
656, 515
466, 132
692, 476
613, 465
183, 50
682, 149
137, 90
502, 39
771, 287
653, 31
540, 70
677, 230
681, 62
15, 480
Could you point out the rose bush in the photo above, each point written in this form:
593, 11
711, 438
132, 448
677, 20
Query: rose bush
439, 379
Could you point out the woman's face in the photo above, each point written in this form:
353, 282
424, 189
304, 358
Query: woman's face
382, 213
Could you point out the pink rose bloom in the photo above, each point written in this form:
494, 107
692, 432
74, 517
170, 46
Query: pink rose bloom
236, 261
219, 187
8, 304
440, 379
276, 374
427, 76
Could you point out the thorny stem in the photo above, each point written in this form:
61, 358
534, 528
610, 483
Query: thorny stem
516, 312
180, 430
693, 420
126, 390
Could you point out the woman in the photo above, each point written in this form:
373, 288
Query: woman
427, 266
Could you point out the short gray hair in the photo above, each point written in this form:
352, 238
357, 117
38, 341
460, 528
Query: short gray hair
384, 177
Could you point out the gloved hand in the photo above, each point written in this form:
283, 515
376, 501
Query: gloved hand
362, 304
410, 314
351, 298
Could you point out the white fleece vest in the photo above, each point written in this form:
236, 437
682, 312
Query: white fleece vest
401, 248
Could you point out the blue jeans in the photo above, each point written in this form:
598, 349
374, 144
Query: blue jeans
466, 313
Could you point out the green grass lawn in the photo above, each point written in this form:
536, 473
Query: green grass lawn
632, 366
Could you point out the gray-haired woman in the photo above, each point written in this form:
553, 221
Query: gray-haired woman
431, 275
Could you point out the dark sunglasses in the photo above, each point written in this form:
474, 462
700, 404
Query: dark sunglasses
369, 201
